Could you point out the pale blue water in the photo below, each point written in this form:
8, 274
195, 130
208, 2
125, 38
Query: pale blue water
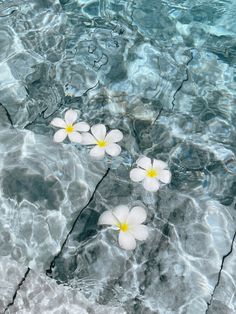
163, 72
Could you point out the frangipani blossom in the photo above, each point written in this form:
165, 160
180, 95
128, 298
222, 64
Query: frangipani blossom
104, 142
152, 173
69, 127
128, 222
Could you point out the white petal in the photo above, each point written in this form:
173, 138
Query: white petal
114, 136
137, 174
81, 127
107, 218
99, 131
137, 215
126, 241
88, 139
164, 176
60, 135
140, 232
97, 152
70, 116
151, 184
121, 212
144, 162
159, 164
75, 137
58, 123
113, 149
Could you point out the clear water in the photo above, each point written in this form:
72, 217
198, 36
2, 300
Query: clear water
163, 72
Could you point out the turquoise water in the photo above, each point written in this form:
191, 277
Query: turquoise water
162, 72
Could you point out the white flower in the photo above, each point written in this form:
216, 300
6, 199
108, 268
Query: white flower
128, 222
69, 127
105, 143
152, 173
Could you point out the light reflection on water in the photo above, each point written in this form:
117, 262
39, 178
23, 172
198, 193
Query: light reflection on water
163, 72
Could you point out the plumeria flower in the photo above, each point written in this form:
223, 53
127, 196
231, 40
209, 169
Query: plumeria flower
152, 173
69, 127
104, 142
129, 224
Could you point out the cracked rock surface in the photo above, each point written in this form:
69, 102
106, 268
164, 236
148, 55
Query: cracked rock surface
40, 294
163, 72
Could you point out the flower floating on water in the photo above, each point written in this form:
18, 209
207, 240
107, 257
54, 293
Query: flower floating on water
104, 142
69, 127
152, 173
128, 222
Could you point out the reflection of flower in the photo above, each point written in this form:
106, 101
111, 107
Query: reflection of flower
151, 173
69, 94
68, 128
105, 143
128, 222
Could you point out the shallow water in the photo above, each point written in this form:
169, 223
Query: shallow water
163, 72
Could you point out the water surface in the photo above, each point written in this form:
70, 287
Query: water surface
163, 72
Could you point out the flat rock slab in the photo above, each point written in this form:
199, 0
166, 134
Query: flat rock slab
43, 188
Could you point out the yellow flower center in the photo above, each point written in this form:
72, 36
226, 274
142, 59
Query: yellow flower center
69, 128
152, 173
102, 143
123, 227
